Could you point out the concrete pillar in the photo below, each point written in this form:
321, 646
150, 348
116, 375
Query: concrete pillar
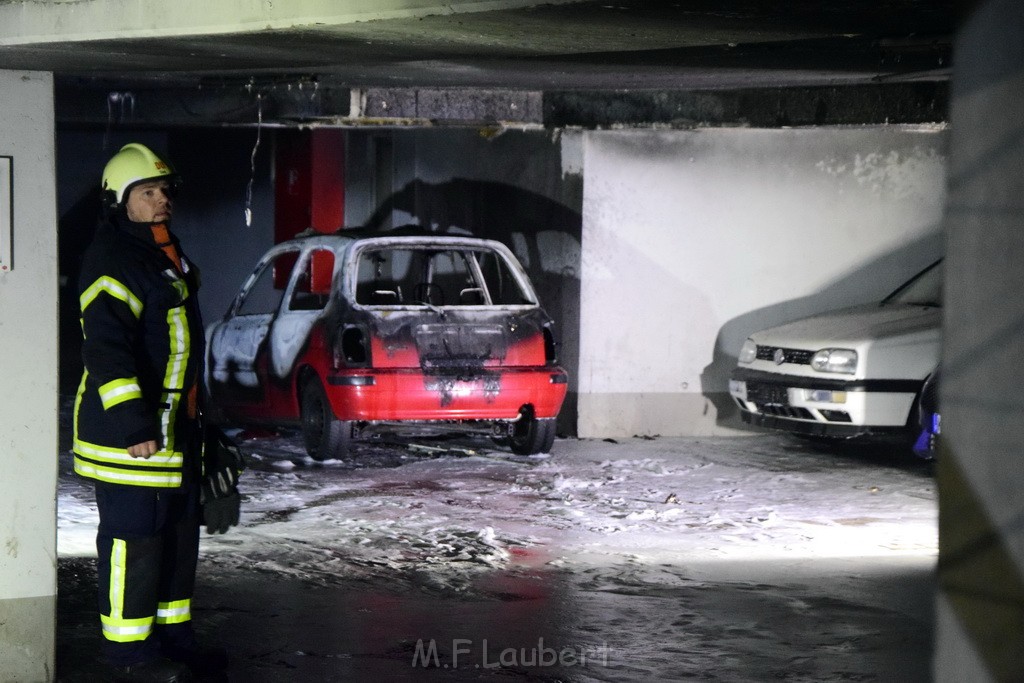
980, 610
28, 366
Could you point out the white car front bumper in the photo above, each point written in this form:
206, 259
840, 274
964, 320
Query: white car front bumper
828, 407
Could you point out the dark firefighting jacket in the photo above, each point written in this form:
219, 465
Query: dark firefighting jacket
142, 349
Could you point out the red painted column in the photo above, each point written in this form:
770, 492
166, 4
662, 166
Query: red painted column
328, 183
309, 186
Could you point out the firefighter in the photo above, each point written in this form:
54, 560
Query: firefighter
158, 474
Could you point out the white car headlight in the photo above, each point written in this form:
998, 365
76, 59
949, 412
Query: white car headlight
835, 360
749, 352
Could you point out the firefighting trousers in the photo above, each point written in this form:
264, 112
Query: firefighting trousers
147, 545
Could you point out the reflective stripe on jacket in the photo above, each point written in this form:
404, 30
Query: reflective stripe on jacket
142, 350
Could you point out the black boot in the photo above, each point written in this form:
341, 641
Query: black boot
200, 660
152, 671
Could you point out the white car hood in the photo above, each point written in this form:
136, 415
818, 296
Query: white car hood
852, 327
896, 341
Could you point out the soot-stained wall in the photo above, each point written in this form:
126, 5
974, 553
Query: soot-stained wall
209, 218
523, 188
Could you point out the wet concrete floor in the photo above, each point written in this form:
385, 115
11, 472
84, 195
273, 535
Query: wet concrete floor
605, 616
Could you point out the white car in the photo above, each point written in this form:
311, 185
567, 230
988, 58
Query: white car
846, 373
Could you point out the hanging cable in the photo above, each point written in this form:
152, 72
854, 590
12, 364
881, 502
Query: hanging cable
252, 160
119, 102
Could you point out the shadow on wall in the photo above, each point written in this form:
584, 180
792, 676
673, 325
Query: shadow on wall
870, 282
75, 230
544, 235
216, 166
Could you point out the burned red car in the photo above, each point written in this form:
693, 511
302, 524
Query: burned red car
344, 334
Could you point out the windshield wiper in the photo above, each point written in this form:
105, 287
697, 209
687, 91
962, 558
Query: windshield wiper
927, 304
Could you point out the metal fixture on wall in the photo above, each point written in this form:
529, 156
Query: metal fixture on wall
120, 108
252, 160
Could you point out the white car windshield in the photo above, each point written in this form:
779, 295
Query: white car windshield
924, 289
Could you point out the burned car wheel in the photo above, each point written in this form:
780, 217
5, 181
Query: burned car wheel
325, 436
531, 435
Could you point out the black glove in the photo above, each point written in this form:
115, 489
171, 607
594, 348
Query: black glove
220, 514
222, 463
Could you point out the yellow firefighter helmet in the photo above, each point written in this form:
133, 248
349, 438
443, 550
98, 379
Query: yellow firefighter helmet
134, 164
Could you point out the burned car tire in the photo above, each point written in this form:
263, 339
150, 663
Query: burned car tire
325, 436
532, 435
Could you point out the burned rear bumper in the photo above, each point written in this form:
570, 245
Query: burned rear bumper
411, 394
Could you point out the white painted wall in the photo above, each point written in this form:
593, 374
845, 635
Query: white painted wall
694, 239
28, 366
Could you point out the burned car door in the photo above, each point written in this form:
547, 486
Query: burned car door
307, 298
238, 343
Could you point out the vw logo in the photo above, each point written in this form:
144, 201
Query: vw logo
779, 356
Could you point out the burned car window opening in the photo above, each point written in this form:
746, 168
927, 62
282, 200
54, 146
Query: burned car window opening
436, 277
449, 274
501, 285
264, 296
312, 287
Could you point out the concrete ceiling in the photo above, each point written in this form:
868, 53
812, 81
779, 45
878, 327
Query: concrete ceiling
551, 64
